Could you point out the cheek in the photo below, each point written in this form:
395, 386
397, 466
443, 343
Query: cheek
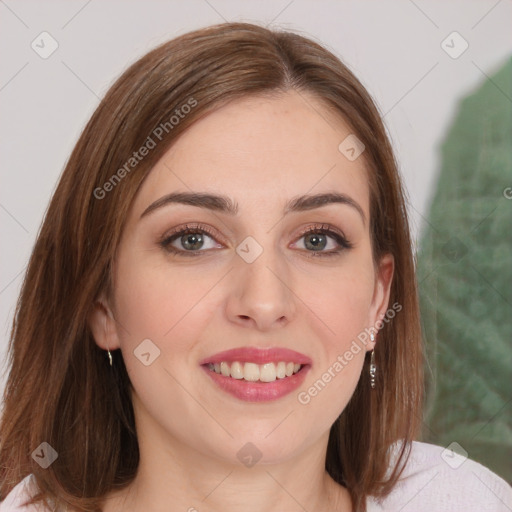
340, 302
332, 381
170, 309
155, 303
344, 309
341, 305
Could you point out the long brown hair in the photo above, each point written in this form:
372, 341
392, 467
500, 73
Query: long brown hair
60, 388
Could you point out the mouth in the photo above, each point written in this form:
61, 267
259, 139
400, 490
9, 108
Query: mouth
257, 375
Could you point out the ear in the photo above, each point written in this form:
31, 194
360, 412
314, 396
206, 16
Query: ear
381, 293
103, 325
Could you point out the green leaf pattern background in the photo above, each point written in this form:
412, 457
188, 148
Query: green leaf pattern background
465, 281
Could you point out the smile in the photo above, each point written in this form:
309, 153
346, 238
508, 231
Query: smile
256, 374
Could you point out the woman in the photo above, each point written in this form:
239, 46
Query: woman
220, 310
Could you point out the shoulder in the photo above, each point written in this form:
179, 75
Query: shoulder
19, 495
436, 478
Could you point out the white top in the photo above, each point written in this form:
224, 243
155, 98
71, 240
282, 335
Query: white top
434, 479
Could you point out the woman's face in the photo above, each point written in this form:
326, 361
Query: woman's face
248, 278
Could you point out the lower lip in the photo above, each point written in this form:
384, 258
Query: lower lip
258, 391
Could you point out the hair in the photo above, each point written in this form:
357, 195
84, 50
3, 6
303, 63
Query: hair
60, 388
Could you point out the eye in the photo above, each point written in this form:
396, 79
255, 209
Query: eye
323, 236
189, 240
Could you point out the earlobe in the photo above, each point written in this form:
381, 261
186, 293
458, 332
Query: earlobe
102, 324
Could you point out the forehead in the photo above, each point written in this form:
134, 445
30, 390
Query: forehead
261, 150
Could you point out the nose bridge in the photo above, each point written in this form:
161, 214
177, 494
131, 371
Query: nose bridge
261, 288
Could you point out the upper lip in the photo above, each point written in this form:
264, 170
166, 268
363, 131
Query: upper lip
258, 356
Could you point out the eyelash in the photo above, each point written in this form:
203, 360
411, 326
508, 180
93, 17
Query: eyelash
324, 229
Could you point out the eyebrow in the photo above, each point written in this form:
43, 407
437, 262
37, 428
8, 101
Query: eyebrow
225, 205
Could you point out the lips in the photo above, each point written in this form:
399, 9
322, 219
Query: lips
258, 356
258, 391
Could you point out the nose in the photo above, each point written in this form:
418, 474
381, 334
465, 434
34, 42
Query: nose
261, 294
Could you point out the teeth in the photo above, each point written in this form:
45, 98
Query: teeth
237, 370
268, 372
224, 369
281, 370
252, 372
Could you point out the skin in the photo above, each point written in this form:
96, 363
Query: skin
260, 152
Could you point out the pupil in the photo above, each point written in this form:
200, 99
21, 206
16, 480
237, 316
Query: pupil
315, 241
192, 241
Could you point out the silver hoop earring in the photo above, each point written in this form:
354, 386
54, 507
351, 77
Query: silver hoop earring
109, 357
